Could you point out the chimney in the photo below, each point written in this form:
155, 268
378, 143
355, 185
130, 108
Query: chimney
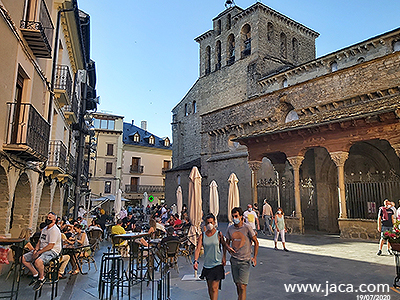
133, 122
144, 125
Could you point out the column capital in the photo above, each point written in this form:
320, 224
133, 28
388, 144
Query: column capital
254, 165
339, 158
296, 161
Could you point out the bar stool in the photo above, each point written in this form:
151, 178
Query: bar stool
112, 276
51, 274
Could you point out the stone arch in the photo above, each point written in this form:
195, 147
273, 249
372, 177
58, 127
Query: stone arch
282, 111
4, 200
21, 206
45, 201
208, 60
283, 45
230, 50
245, 40
270, 31
218, 55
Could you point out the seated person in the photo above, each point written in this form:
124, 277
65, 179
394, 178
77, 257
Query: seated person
159, 225
129, 222
178, 222
94, 226
26, 235
35, 237
170, 236
118, 229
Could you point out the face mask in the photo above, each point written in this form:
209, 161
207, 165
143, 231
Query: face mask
236, 220
250, 209
210, 226
48, 221
278, 212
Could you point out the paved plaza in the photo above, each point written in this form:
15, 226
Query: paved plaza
313, 259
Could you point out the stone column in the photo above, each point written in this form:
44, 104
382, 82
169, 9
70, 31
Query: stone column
296, 161
254, 167
339, 158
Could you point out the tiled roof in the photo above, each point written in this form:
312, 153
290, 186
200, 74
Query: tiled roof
130, 130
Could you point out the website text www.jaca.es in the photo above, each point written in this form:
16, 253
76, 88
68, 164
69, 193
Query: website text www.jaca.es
364, 291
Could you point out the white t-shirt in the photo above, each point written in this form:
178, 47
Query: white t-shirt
250, 218
164, 213
50, 236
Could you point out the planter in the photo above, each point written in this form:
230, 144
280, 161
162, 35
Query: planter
395, 246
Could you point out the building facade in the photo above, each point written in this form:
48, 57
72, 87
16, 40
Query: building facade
313, 135
44, 77
146, 158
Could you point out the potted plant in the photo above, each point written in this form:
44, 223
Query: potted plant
393, 236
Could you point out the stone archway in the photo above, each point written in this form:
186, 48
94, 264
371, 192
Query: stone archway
21, 206
45, 202
4, 200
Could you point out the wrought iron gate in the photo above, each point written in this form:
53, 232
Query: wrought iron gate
268, 189
364, 198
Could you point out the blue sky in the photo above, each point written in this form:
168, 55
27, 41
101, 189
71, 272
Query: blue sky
147, 59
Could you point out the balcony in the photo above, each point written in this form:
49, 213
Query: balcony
71, 164
57, 161
71, 111
136, 169
140, 189
37, 29
63, 85
27, 133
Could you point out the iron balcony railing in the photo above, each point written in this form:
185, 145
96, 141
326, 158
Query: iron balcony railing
136, 169
63, 80
26, 127
144, 188
37, 29
71, 164
57, 155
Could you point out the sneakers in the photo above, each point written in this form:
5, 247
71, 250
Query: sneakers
379, 252
33, 280
38, 285
390, 252
275, 248
284, 249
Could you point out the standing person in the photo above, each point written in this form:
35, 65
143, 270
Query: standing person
385, 222
267, 214
241, 235
164, 213
48, 247
280, 228
214, 256
250, 216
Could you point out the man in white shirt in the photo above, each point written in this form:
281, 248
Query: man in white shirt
48, 247
251, 218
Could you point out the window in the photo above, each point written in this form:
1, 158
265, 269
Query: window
107, 187
396, 46
285, 83
136, 137
270, 31
231, 50
110, 149
109, 167
194, 107
186, 110
167, 165
151, 140
104, 124
17, 108
295, 49
291, 116
334, 66
218, 27
218, 56
167, 143
208, 60
178, 179
229, 22
246, 40
283, 48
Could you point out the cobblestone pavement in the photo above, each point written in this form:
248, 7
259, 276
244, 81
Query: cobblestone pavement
312, 259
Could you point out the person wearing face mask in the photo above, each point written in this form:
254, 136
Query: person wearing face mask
280, 228
385, 222
48, 247
240, 236
250, 217
214, 256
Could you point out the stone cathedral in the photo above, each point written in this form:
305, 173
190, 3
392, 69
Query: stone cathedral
319, 137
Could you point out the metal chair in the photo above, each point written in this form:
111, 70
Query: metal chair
51, 274
171, 251
90, 258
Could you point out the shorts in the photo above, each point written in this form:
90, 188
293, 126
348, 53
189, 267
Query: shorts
383, 230
46, 257
213, 274
240, 270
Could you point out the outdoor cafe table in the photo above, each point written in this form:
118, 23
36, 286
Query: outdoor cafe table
131, 237
17, 268
73, 252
